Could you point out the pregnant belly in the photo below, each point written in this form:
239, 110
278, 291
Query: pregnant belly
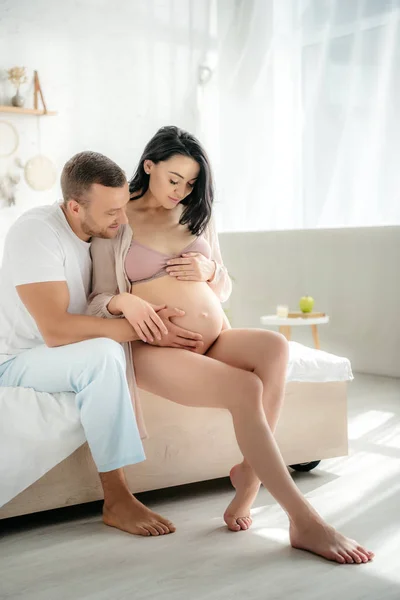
203, 311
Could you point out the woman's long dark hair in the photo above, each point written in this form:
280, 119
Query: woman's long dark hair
168, 142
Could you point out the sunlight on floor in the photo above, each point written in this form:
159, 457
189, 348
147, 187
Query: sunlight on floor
367, 422
390, 439
275, 534
387, 558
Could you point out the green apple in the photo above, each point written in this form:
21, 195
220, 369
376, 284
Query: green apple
306, 304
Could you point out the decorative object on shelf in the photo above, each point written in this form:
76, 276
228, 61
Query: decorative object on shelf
37, 91
9, 139
18, 100
17, 76
40, 173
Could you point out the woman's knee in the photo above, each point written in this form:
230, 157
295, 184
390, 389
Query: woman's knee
247, 392
274, 345
281, 345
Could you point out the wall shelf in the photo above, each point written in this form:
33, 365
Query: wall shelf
37, 92
26, 111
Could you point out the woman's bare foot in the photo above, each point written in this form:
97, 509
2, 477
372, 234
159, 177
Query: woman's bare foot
322, 539
128, 514
237, 515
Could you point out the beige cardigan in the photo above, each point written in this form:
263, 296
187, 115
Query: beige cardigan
109, 278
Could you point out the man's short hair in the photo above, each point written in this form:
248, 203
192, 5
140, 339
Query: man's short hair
86, 168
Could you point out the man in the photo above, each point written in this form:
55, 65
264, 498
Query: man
49, 344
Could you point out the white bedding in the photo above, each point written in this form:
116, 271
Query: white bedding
39, 430
308, 364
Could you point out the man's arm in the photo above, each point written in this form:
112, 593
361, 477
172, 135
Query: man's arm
48, 303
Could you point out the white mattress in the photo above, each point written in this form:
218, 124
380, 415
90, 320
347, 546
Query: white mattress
39, 430
310, 365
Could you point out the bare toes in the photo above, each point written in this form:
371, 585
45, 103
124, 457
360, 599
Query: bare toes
152, 530
338, 558
167, 526
232, 524
355, 556
369, 555
249, 521
242, 523
159, 528
164, 528
347, 557
170, 526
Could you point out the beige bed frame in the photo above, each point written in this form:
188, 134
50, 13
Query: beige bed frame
188, 445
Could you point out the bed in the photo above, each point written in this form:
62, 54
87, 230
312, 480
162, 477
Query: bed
46, 463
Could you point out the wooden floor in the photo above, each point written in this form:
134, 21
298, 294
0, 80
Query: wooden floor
71, 555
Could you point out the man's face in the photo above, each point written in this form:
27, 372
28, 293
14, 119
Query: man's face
105, 211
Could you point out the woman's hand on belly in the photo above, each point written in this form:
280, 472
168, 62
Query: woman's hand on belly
192, 266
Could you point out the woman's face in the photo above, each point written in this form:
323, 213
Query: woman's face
172, 180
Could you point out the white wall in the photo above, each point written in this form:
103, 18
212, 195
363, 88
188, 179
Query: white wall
114, 71
353, 275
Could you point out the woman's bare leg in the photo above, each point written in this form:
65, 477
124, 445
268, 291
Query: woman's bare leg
266, 354
180, 375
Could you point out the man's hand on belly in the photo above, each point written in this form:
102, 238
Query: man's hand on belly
177, 337
143, 316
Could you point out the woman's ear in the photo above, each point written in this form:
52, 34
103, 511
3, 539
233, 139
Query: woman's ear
147, 166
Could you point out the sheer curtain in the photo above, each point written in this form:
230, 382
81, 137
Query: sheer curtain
301, 113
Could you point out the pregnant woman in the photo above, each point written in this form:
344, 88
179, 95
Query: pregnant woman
168, 255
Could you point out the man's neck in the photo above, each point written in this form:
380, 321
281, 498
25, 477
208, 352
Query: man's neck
77, 231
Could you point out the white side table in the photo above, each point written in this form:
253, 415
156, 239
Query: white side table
285, 324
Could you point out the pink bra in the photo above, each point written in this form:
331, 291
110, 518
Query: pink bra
144, 264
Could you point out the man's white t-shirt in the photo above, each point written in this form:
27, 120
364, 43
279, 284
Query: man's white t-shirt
39, 247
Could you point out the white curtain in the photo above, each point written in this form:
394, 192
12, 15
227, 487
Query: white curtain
302, 113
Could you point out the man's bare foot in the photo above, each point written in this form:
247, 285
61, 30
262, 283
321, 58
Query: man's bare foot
128, 514
322, 539
237, 515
